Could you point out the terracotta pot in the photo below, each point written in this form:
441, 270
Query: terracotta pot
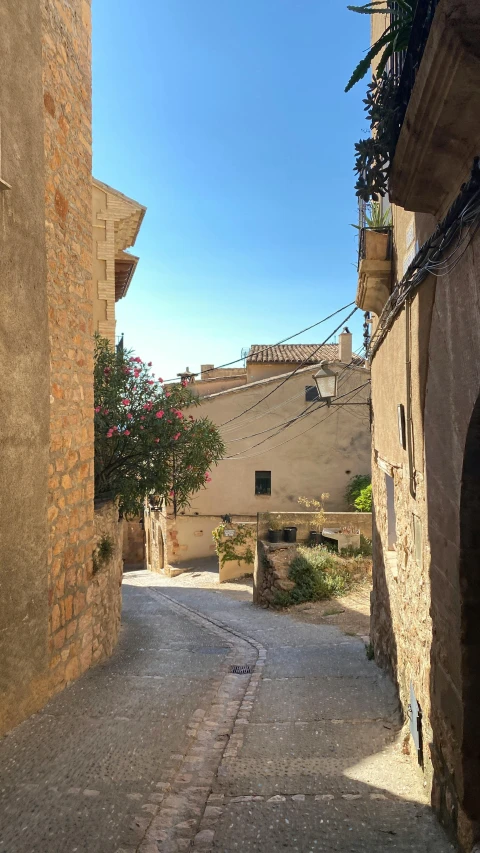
376, 245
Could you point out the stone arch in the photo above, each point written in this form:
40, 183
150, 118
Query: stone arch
470, 593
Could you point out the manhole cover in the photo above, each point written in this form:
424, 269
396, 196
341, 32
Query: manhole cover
241, 670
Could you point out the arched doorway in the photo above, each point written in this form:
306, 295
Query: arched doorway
470, 592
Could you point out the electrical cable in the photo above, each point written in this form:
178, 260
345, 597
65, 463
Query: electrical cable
305, 414
290, 420
298, 435
293, 372
271, 346
288, 400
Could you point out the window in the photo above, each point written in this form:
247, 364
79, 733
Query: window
418, 540
263, 482
392, 521
311, 393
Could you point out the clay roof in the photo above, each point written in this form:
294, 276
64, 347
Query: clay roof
125, 265
292, 353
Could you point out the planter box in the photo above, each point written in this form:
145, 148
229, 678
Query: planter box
344, 540
377, 245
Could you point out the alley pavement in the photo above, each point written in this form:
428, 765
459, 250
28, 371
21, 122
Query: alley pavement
164, 749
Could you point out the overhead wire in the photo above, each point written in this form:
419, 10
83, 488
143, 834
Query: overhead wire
291, 373
290, 420
305, 414
288, 400
271, 346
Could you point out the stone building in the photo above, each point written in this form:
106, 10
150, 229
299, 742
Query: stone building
282, 441
56, 615
424, 299
116, 223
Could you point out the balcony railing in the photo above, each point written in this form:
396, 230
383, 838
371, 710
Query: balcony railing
405, 65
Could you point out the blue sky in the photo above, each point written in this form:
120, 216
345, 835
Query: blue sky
228, 120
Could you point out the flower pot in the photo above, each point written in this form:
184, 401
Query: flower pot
275, 535
314, 538
290, 534
377, 245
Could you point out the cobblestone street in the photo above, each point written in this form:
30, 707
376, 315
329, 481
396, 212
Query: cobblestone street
162, 748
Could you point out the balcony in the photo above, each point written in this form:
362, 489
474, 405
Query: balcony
439, 91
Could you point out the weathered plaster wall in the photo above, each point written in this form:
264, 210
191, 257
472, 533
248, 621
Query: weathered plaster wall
315, 455
231, 569
24, 350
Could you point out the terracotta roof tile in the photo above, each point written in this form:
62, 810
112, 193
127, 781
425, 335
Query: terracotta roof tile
292, 353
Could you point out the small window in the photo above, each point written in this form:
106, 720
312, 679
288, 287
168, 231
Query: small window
391, 517
311, 393
418, 540
263, 482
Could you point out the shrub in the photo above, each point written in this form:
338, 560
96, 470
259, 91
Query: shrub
317, 575
355, 486
364, 501
144, 443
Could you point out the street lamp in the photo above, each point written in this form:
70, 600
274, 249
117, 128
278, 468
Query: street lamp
326, 382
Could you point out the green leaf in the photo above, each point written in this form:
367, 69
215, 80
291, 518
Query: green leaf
364, 65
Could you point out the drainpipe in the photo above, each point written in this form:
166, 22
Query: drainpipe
408, 408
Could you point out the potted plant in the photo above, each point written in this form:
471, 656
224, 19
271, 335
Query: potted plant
275, 531
375, 234
290, 534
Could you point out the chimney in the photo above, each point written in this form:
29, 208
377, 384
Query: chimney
205, 368
345, 346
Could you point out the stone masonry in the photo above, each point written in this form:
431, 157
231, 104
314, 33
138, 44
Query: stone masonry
66, 44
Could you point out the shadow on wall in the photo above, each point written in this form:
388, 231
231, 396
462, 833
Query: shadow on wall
381, 625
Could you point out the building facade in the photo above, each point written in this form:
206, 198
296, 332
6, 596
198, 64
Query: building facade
56, 616
282, 441
424, 299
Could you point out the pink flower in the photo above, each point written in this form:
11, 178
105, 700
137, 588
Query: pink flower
148, 406
176, 437
109, 433
179, 415
136, 373
98, 409
150, 363
142, 427
208, 478
129, 416
142, 418
172, 493
138, 360
168, 394
105, 411
127, 371
159, 414
132, 359
160, 379
126, 432
157, 440
125, 402
184, 383
151, 382
191, 417
106, 371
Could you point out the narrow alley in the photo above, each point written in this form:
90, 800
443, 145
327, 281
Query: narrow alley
162, 748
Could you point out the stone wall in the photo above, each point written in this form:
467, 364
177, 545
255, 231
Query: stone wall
105, 589
25, 391
424, 608
66, 45
306, 521
134, 543
272, 563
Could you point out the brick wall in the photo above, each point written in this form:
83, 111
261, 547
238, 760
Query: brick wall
66, 45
